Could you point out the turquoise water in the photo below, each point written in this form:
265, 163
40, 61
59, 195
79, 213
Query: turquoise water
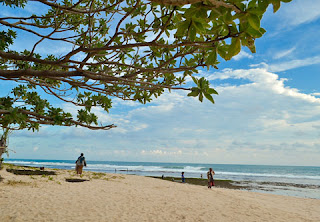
302, 181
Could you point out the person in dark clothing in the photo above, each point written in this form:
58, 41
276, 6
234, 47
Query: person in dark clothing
210, 178
81, 161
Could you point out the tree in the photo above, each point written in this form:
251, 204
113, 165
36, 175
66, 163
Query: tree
127, 49
4, 144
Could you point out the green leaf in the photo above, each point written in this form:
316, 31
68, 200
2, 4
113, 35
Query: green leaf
222, 52
198, 26
276, 5
212, 91
209, 97
201, 97
228, 18
254, 32
235, 47
252, 4
254, 21
192, 33
182, 27
195, 92
263, 5
195, 80
262, 31
224, 31
212, 57
251, 45
252, 48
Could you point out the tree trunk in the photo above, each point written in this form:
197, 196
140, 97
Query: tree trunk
3, 144
1, 152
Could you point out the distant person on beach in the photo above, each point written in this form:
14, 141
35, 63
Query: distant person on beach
182, 177
81, 161
210, 178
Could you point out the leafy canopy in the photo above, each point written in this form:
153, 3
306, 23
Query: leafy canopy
127, 49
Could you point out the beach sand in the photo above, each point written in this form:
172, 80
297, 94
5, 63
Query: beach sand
115, 197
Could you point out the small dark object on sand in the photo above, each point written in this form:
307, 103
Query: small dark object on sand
74, 180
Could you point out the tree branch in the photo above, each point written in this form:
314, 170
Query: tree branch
41, 119
216, 3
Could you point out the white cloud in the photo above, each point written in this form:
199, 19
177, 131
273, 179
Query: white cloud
250, 123
161, 152
35, 148
279, 67
283, 53
261, 65
120, 102
242, 55
300, 11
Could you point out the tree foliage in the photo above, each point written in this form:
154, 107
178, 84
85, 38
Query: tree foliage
127, 49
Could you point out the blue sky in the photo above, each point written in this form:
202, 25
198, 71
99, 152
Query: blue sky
267, 110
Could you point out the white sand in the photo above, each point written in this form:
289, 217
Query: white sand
115, 197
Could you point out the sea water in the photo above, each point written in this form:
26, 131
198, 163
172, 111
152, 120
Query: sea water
301, 181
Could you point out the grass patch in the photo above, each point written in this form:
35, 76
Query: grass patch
15, 182
96, 175
117, 177
12, 166
9, 165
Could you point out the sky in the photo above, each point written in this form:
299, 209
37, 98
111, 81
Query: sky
267, 110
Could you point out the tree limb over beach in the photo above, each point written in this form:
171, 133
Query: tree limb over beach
131, 50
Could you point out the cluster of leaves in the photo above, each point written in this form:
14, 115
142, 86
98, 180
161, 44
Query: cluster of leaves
35, 111
202, 89
20, 115
6, 39
14, 3
130, 49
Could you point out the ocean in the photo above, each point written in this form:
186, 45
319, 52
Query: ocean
299, 181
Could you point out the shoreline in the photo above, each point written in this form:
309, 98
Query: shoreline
60, 195
228, 184
31, 171
277, 188
271, 187
232, 184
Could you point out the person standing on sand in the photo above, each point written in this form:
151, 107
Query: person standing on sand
182, 177
210, 178
81, 161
